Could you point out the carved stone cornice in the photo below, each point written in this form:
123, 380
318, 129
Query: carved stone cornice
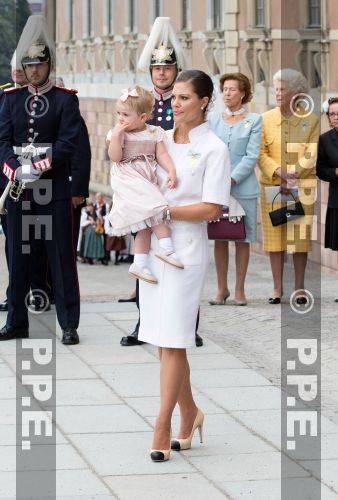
67, 51
106, 45
130, 45
87, 53
185, 38
213, 52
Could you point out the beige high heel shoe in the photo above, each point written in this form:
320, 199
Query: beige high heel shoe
185, 444
160, 455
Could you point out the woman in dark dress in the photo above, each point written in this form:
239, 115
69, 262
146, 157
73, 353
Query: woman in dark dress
327, 170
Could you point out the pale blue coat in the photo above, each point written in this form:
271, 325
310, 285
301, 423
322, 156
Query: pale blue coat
243, 140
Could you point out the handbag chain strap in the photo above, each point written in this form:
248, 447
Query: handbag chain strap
280, 192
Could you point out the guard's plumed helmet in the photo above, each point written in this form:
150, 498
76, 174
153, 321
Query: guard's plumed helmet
36, 54
162, 48
35, 45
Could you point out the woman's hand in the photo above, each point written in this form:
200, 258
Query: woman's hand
291, 178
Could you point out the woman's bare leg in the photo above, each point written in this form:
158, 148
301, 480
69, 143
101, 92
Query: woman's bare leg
277, 267
299, 264
173, 369
221, 253
188, 408
242, 262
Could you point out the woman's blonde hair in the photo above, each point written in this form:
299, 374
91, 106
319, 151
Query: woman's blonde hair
142, 103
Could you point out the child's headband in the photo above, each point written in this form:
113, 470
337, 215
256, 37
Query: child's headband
126, 93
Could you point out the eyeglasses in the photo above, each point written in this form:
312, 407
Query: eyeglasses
333, 114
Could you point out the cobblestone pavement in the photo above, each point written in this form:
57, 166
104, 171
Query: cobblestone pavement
105, 415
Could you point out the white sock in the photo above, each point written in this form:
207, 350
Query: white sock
140, 259
166, 244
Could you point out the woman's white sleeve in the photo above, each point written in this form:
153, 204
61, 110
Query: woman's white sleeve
217, 177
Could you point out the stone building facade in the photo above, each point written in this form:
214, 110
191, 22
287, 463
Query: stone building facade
99, 41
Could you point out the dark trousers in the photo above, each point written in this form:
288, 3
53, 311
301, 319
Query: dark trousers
3, 219
4, 227
40, 274
76, 223
24, 218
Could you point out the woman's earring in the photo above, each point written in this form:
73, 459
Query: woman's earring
202, 109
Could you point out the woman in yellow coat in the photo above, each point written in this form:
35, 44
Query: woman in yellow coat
287, 159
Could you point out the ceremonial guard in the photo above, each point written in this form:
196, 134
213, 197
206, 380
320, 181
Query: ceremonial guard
3, 218
19, 79
163, 57
39, 127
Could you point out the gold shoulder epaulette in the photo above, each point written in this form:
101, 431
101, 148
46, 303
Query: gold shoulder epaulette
5, 85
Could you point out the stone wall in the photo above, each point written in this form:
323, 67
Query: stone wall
98, 115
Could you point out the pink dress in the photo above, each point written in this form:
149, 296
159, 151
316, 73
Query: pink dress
137, 200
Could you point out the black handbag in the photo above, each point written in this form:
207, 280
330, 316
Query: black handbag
286, 214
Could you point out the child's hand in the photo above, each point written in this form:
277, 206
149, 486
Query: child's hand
119, 128
171, 180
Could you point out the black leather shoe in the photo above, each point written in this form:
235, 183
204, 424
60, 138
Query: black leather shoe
275, 300
131, 339
14, 332
198, 340
70, 336
301, 301
132, 299
4, 306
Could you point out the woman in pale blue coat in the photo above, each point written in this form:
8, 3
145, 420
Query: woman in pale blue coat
241, 132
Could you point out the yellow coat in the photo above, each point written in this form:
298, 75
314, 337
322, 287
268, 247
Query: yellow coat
289, 143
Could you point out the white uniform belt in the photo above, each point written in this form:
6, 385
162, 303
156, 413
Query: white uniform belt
18, 150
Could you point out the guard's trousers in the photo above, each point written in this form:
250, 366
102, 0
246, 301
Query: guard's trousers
27, 223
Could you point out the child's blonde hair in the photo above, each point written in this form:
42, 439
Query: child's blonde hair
142, 103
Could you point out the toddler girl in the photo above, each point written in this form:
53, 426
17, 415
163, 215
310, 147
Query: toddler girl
136, 150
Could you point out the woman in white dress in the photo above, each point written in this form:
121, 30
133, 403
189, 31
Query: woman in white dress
169, 310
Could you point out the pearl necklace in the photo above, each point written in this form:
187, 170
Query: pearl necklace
234, 113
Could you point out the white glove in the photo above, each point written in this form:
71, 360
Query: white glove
28, 152
27, 172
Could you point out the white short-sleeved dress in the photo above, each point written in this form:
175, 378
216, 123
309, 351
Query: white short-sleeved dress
137, 200
168, 310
